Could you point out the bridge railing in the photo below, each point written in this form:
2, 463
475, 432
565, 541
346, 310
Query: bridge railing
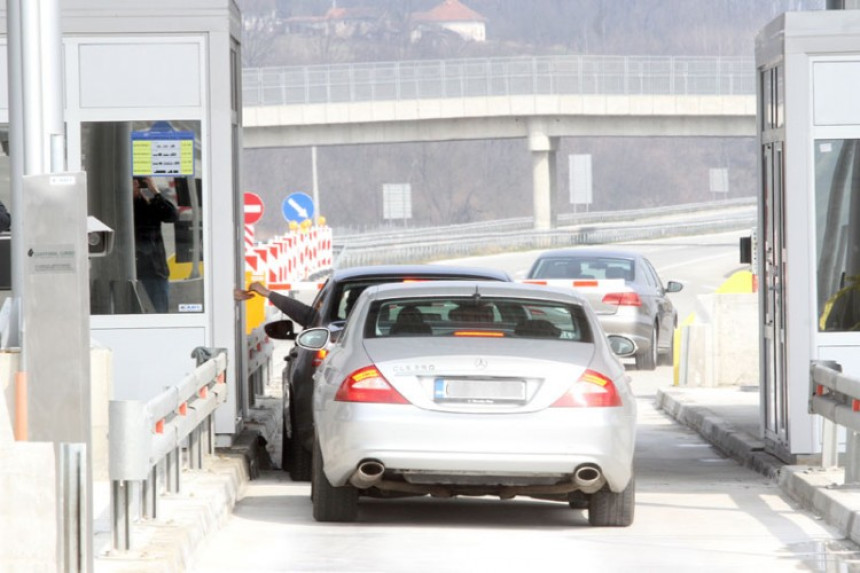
490, 77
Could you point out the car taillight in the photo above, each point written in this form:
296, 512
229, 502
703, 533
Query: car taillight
318, 357
368, 385
622, 299
592, 390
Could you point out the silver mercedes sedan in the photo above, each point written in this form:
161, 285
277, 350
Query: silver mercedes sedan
472, 389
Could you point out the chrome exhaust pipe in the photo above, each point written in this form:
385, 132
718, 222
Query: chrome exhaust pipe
588, 478
368, 473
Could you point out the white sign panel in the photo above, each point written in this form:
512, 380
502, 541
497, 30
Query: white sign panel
580, 179
719, 180
396, 201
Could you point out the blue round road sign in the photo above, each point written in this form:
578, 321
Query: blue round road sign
298, 207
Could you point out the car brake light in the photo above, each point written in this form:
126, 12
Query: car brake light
592, 390
622, 299
480, 333
318, 357
368, 385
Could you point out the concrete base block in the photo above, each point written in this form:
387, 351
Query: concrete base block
724, 350
696, 356
735, 335
28, 507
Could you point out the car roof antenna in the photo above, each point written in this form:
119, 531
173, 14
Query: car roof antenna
477, 295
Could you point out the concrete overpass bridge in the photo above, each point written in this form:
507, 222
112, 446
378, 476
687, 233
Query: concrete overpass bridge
539, 99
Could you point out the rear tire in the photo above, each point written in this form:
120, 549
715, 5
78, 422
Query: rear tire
285, 447
331, 503
610, 509
577, 500
300, 460
648, 360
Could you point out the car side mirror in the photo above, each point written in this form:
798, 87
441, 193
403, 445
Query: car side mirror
280, 330
674, 286
621, 345
313, 338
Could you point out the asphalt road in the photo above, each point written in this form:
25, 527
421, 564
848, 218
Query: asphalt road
696, 510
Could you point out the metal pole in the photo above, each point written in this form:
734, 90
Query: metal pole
316, 187
121, 526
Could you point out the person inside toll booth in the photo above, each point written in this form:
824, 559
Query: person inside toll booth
5, 218
151, 209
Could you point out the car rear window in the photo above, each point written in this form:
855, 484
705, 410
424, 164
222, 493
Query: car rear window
584, 268
346, 293
484, 317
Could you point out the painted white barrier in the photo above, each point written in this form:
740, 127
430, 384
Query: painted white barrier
722, 348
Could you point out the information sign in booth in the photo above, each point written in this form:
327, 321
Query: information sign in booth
152, 90
809, 214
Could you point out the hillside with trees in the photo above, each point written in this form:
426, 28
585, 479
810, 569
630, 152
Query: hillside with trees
482, 180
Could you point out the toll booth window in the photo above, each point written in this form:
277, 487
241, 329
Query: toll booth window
154, 204
837, 218
5, 215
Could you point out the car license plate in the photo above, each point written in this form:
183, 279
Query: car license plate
479, 391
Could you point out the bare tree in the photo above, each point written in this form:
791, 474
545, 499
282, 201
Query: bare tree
260, 30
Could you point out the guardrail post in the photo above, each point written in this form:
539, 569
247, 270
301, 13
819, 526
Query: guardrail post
852, 458
173, 461
120, 525
195, 458
149, 494
829, 445
210, 435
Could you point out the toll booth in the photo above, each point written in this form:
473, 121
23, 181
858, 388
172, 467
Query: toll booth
152, 89
808, 67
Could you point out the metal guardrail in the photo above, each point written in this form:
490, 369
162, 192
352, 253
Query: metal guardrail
344, 236
454, 241
836, 398
490, 77
147, 438
260, 350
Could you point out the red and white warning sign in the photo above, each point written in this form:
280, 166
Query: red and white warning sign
253, 208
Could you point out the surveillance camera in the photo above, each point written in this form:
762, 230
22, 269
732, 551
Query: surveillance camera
99, 238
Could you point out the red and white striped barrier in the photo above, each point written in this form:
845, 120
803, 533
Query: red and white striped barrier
290, 258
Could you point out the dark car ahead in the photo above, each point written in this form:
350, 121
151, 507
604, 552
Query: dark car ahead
332, 305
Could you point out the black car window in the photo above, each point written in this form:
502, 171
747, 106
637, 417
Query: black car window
319, 303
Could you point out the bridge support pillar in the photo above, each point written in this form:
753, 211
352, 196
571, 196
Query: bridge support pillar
542, 148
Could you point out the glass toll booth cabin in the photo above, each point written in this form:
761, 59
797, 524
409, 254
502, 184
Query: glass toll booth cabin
151, 90
809, 214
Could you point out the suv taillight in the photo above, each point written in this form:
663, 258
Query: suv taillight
368, 385
592, 390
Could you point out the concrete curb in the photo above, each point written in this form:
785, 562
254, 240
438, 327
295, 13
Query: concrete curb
814, 489
738, 445
818, 490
